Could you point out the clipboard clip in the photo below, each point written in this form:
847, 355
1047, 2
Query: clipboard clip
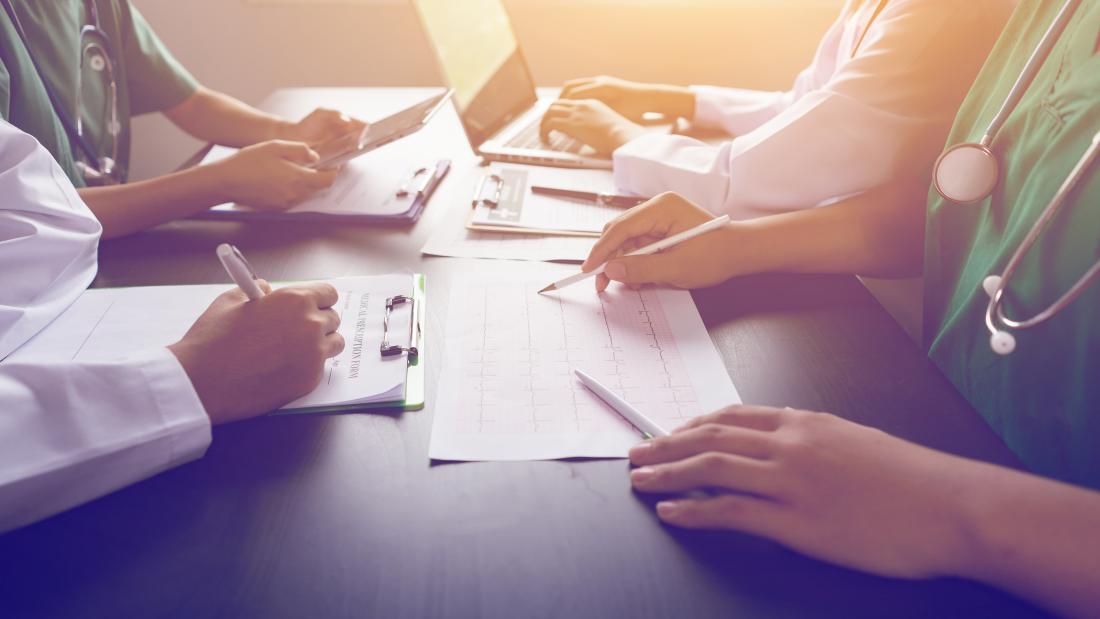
498, 190
389, 351
425, 176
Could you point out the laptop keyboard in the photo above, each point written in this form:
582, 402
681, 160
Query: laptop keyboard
558, 142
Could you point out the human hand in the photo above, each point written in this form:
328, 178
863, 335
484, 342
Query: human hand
633, 99
271, 175
696, 263
821, 485
321, 125
591, 122
246, 357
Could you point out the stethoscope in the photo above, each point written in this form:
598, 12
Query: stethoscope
967, 173
94, 49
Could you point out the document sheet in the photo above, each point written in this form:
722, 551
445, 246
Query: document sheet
110, 323
507, 389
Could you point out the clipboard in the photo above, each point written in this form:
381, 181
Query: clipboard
415, 189
504, 193
415, 380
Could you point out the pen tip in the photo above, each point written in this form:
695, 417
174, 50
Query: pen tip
549, 288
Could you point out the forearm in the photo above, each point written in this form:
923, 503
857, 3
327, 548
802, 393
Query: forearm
132, 207
880, 233
216, 117
1035, 537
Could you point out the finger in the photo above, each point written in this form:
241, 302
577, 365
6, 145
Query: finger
332, 320
709, 470
586, 91
574, 83
636, 222
317, 180
266, 287
602, 282
661, 268
323, 294
763, 418
731, 511
332, 345
709, 438
550, 121
296, 152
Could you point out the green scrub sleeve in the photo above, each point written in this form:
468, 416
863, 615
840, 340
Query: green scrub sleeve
157, 81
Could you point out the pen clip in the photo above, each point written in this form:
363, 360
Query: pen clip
389, 351
498, 191
244, 261
427, 175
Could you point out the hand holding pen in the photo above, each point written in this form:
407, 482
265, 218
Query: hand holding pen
665, 241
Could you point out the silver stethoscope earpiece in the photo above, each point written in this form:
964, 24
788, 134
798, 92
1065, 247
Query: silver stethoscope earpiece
1002, 342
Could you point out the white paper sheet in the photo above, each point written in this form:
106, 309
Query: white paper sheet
520, 208
112, 322
507, 390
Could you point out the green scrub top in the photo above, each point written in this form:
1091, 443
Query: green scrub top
149, 77
1044, 399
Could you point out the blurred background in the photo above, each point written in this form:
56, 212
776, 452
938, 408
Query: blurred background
250, 47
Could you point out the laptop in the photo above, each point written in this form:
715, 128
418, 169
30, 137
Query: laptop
494, 92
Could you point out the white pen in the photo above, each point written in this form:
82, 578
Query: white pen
645, 425
653, 248
240, 271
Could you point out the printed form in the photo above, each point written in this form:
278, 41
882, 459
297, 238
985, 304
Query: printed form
507, 389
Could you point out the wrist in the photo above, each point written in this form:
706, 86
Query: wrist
738, 251
676, 101
623, 133
215, 182
186, 358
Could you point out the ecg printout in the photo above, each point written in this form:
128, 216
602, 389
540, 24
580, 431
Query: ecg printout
507, 389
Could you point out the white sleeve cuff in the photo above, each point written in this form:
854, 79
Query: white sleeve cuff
735, 110
184, 417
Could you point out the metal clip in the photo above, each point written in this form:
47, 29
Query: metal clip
422, 173
388, 350
493, 202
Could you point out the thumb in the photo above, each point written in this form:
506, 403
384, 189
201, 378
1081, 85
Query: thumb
296, 152
636, 270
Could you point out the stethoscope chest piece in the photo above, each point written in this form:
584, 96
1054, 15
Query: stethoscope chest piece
966, 173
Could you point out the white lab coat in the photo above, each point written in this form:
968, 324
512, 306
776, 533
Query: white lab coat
849, 124
72, 431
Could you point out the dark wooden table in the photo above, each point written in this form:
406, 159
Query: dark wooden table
344, 516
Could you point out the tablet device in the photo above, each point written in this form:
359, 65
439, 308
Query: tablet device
340, 150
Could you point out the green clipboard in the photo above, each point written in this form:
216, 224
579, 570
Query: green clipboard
414, 378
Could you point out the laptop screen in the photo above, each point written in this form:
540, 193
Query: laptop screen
480, 59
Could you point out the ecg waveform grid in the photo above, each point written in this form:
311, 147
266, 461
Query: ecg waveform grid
519, 350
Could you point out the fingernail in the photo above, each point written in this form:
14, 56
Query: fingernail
667, 509
615, 270
642, 475
641, 449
